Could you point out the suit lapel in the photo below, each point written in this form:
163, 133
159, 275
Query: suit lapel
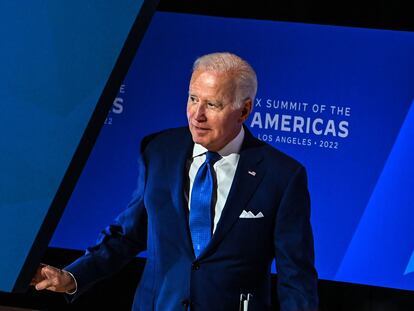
248, 176
176, 179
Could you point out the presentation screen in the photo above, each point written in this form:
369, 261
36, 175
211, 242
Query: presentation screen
338, 99
56, 60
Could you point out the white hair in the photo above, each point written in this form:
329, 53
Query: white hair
239, 70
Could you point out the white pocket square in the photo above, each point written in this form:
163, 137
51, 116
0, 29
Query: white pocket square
249, 214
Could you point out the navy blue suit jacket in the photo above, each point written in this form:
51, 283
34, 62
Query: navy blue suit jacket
237, 259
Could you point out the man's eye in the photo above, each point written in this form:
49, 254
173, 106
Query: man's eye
193, 99
211, 105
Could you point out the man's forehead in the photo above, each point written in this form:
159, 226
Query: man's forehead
209, 79
213, 79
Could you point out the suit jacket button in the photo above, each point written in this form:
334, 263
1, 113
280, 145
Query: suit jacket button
195, 266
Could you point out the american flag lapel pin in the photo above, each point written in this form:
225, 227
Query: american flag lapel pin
253, 173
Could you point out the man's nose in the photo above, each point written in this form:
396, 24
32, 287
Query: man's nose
199, 113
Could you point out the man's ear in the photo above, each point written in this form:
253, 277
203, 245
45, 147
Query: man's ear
247, 108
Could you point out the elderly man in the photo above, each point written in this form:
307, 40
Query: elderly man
213, 208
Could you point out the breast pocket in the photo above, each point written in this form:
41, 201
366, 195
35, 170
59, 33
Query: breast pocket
253, 235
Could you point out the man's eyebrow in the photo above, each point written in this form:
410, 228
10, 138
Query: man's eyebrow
214, 101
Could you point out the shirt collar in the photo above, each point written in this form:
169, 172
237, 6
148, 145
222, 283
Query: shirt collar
233, 146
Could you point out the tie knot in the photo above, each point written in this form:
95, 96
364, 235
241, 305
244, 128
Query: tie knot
212, 157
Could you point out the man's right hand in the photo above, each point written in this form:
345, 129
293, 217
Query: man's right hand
53, 279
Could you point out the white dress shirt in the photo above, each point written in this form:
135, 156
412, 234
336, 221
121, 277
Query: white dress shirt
224, 169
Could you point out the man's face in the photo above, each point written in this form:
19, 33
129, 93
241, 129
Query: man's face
212, 118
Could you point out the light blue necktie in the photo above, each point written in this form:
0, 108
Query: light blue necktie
200, 208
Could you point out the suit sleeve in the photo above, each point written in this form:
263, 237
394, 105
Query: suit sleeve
294, 249
116, 245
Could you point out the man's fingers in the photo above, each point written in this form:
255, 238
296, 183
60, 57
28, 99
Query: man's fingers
36, 279
38, 275
53, 279
46, 277
45, 284
50, 272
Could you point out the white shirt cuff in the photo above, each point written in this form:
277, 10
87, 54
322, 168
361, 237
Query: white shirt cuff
76, 284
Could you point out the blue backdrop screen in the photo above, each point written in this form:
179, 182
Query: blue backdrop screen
55, 61
338, 99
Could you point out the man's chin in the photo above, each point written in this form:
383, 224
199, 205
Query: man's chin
199, 139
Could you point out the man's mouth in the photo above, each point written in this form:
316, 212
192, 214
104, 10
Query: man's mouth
199, 128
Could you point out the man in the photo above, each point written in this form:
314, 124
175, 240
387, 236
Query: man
213, 207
